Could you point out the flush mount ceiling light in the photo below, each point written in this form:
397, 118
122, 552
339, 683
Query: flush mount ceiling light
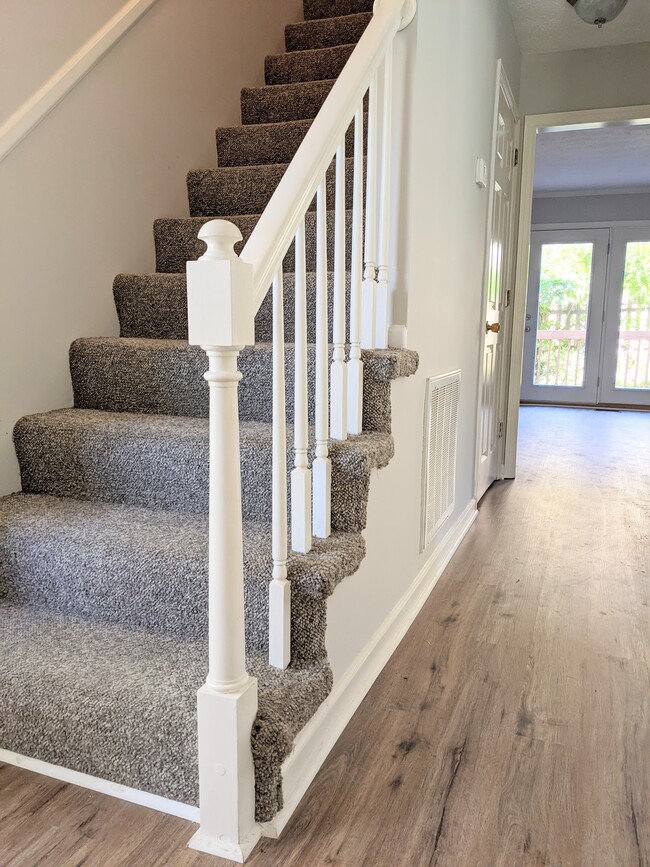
598, 12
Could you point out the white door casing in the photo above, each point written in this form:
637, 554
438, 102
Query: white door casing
499, 270
533, 123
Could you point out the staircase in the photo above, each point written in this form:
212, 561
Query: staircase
103, 555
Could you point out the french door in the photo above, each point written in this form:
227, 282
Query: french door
626, 342
587, 338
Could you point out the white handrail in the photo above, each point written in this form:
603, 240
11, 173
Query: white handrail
276, 228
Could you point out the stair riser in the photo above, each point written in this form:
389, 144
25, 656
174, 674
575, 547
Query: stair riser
165, 473
334, 8
326, 33
177, 243
267, 144
314, 65
116, 378
282, 103
158, 310
230, 192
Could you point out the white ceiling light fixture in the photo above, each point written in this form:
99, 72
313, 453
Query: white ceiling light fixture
598, 12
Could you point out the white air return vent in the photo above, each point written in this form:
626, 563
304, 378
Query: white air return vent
439, 465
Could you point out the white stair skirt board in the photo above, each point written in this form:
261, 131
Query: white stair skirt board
315, 741
104, 787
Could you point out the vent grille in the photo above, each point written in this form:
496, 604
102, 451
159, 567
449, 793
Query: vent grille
440, 439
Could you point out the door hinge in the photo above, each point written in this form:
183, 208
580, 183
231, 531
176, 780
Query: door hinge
516, 156
507, 297
500, 429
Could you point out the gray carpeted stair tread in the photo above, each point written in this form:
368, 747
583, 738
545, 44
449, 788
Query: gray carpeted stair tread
176, 240
282, 102
248, 189
334, 8
312, 64
120, 703
326, 32
161, 461
142, 375
147, 568
267, 143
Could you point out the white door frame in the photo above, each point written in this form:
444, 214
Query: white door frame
532, 124
502, 85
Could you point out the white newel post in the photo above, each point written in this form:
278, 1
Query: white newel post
221, 321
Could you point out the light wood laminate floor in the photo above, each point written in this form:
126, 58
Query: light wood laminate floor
511, 727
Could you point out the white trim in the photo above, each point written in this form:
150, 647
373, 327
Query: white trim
104, 787
532, 123
315, 741
592, 191
41, 103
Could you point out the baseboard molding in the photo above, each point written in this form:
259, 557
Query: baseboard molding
315, 741
41, 103
104, 787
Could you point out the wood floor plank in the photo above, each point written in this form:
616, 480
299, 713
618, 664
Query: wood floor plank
511, 728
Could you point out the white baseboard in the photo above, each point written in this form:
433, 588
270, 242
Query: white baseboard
315, 741
104, 787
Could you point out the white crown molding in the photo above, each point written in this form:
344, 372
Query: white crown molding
47, 97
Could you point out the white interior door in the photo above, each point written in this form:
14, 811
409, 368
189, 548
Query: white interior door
564, 316
625, 377
498, 277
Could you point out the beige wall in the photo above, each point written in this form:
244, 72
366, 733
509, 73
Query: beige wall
37, 37
78, 196
605, 208
592, 78
446, 63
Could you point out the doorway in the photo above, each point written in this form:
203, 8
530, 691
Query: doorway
581, 309
587, 332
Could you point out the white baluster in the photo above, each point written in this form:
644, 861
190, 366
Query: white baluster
339, 388
369, 288
322, 465
301, 475
355, 365
221, 320
382, 310
280, 588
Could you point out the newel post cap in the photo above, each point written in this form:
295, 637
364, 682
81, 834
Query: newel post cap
220, 237
220, 291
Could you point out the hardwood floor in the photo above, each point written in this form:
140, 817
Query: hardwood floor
512, 726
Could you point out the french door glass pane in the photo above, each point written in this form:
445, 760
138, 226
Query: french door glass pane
633, 359
564, 291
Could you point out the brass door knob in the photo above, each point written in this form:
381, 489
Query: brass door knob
495, 328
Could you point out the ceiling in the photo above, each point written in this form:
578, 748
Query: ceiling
614, 156
552, 25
